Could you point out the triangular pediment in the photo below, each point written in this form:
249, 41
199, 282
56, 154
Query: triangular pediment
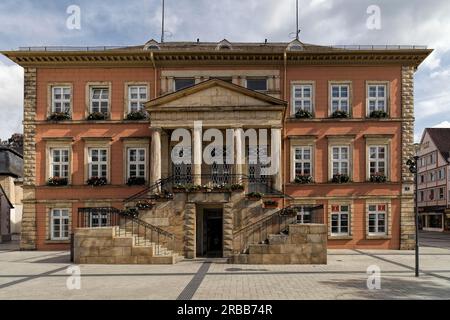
214, 93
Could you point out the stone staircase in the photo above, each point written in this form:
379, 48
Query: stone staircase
301, 244
115, 245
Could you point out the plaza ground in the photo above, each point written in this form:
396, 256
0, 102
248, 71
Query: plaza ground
43, 275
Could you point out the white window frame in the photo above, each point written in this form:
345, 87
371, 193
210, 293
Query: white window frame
302, 161
377, 212
100, 100
340, 213
63, 100
377, 159
302, 99
136, 162
59, 163
377, 98
340, 161
61, 217
139, 100
98, 163
340, 99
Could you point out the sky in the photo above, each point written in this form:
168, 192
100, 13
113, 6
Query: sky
323, 22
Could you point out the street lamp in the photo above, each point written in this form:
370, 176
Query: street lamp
412, 163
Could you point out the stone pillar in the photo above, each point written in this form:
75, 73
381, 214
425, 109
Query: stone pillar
239, 152
407, 213
155, 169
197, 154
29, 232
228, 224
189, 230
276, 158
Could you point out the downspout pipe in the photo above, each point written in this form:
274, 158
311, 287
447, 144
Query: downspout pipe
283, 175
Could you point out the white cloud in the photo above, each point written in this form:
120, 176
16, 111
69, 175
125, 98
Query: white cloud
11, 99
443, 124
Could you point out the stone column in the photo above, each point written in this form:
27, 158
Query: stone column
239, 152
276, 158
29, 231
197, 154
407, 210
155, 171
228, 224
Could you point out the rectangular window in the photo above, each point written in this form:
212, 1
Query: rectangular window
340, 219
441, 174
137, 97
377, 219
422, 196
431, 195
432, 176
181, 83
422, 178
257, 84
100, 100
441, 193
340, 160
98, 162
302, 97
59, 163
59, 224
302, 161
377, 160
340, 98
376, 98
61, 97
136, 162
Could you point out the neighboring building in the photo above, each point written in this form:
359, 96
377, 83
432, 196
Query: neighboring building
434, 179
11, 171
234, 86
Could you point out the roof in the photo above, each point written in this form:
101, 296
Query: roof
441, 138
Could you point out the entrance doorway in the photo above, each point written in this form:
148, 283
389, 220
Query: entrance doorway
210, 233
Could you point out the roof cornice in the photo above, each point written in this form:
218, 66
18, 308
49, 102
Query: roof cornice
138, 57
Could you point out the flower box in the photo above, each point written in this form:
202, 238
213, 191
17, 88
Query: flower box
378, 178
254, 196
304, 179
144, 205
340, 178
378, 114
97, 181
339, 114
303, 114
59, 116
97, 116
137, 115
270, 204
237, 187
136, 181
57, 181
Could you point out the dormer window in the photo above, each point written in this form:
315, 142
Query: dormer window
295, 45
224, 45
151, 45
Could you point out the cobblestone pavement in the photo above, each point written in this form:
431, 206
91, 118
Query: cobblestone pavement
43, 275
